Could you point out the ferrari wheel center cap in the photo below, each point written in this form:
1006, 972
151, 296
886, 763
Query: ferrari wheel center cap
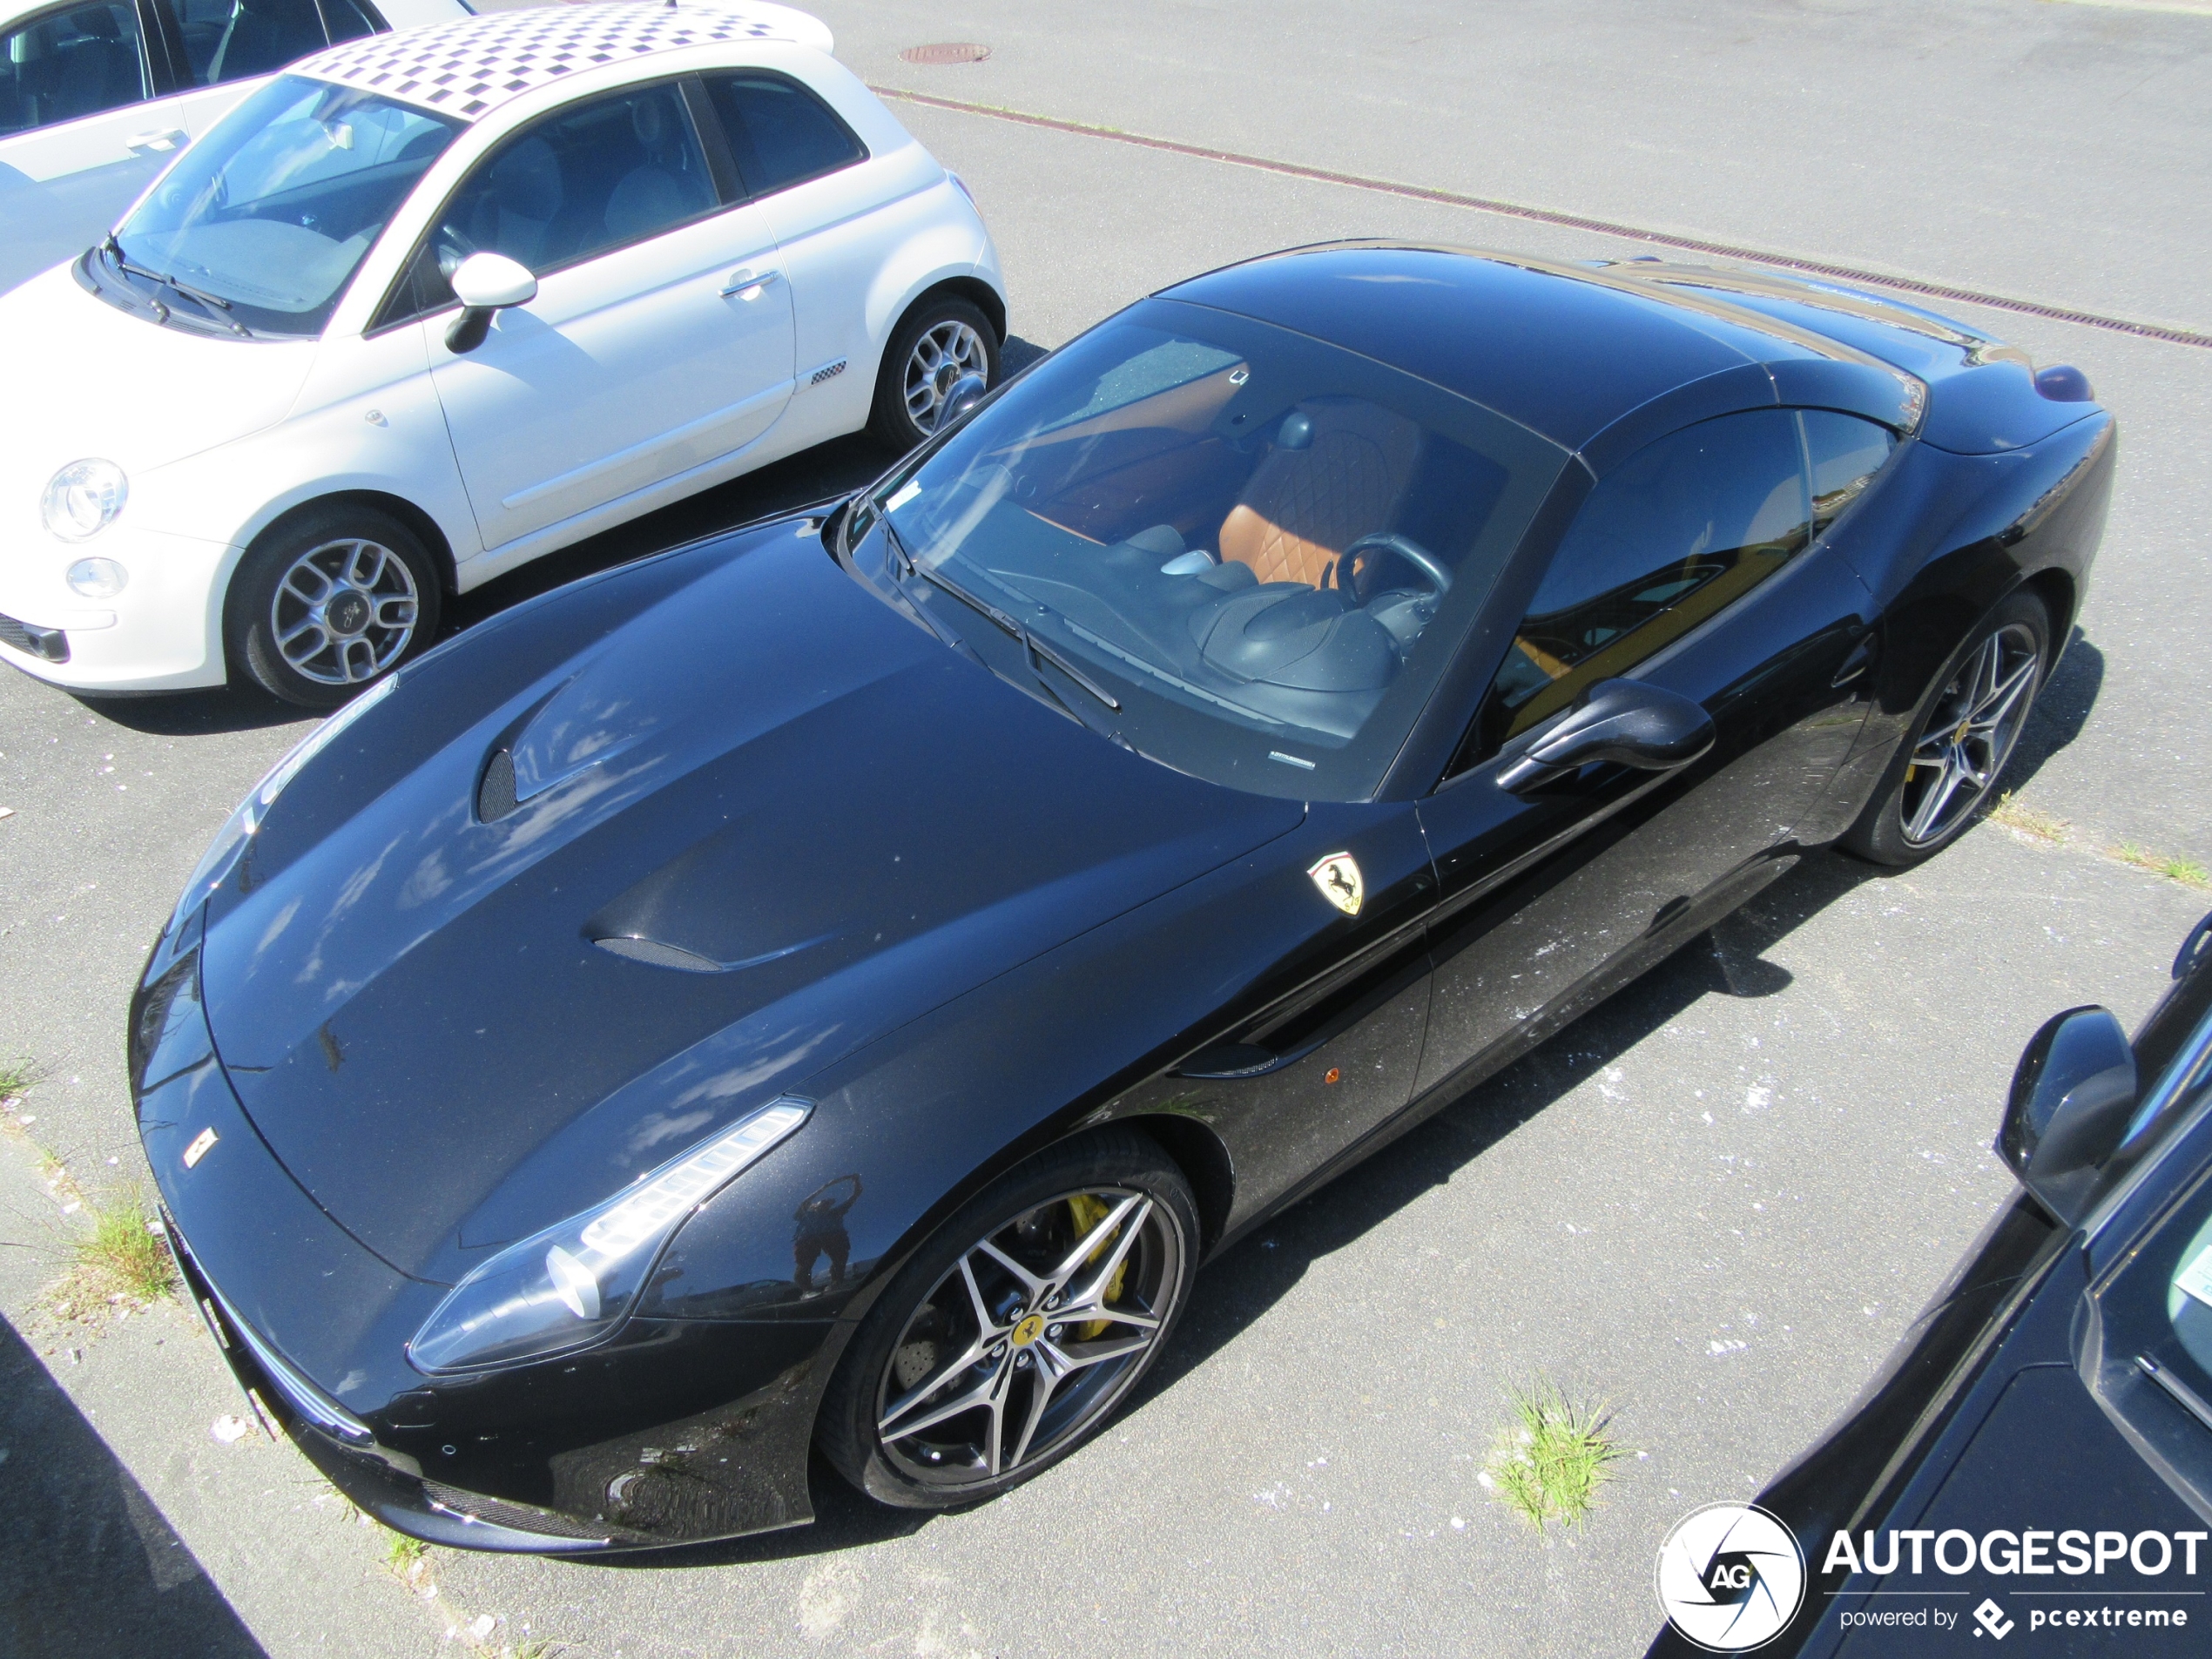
1028, 1331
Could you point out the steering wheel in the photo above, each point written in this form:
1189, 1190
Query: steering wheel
1406, 548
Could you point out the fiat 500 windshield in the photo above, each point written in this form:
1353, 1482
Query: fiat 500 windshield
263, 222
1262, 550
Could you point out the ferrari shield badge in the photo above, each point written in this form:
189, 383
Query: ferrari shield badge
1338, 876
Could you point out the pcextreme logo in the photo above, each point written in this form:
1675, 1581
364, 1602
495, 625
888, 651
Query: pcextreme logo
1731, 1577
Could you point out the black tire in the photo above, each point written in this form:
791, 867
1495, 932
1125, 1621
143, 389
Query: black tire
378, 604
893, 419
948, 1327
1903, 824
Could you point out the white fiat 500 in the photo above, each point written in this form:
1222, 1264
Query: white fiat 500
430, 304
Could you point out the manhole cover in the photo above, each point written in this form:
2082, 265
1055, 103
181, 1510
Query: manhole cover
946, 52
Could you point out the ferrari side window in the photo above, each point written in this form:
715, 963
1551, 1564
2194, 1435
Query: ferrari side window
1845, 453
1683, 528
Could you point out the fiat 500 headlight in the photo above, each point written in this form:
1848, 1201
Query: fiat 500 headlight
82, 499
572, 1284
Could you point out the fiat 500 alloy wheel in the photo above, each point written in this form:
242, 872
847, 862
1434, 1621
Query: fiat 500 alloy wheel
942, 355
344, 612
1970, 735
328, 600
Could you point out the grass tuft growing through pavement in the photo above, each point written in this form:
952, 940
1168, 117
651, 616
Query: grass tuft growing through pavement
18, 1078
123, 1256
2015, 814
406, 1556
1550, 1461
2187, 872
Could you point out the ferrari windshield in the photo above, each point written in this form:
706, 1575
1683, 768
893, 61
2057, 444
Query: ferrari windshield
1240, 551
266, 218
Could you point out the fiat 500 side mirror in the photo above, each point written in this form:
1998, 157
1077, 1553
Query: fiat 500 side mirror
2072, 1094
1625, 722
486, 284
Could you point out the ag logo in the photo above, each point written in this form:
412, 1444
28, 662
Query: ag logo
1338, 876
1730, 1576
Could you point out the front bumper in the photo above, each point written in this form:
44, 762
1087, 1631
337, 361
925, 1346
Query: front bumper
387, 1485
675, 1432
163, 632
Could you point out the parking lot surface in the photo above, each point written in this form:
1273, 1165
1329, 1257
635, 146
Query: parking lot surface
1714, 1203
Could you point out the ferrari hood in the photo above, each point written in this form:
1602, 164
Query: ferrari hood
757, 825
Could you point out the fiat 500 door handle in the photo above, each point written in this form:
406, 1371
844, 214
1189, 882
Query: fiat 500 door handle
748, 282
156, 144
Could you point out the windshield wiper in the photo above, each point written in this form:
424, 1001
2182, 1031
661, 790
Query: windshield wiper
1036, 648
216, 306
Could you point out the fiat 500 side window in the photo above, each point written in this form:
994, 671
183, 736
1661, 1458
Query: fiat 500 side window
73, 62
607, 173
781, 134
1679, 530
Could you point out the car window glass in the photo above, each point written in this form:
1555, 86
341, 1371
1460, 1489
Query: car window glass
1845, 453
782, 132
1264, 548
1681, 529
615, 171
74, 61
230, 40
273, 211
347, 20
2157, 1307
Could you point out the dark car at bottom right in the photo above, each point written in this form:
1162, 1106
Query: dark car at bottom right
2035, 1462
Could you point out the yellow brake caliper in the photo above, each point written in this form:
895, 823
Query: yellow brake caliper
1088, 1212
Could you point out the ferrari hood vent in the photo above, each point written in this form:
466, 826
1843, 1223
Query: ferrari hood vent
655, 954
495, 791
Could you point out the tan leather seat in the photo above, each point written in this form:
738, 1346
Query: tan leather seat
1304, 507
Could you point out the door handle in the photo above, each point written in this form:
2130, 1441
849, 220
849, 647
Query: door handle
748, 282
156, 144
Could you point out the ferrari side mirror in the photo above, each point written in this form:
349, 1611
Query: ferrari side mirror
962, 396
2072, 1097
486, 284
1625, 722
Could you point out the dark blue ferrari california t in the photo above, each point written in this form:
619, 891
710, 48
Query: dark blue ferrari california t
833, 983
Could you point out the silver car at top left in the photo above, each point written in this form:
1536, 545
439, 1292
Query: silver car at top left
98, 96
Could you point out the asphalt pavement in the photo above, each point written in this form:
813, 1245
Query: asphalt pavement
1713, 1203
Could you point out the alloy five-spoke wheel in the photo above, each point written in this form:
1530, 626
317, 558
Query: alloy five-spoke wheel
344, 612
1970, 735
1022, 1343
328, 601
1015, 1333
1950, 763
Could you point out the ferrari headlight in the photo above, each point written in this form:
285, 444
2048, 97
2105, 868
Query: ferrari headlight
82, 498
231, 841
574, 1283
